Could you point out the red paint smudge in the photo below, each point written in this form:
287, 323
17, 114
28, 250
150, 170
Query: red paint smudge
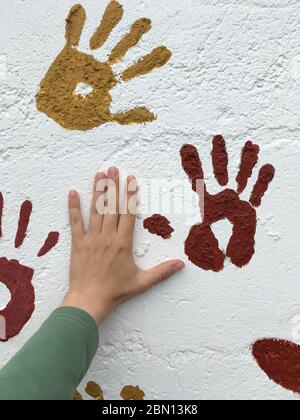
201, 246
265, 177
280, 360
159, 225
220, 160
249, 160
24, 218
50, 243
17, 279
1, 213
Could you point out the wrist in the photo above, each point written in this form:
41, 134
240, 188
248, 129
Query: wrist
77, 300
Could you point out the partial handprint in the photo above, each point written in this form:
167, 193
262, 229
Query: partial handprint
57, 96
18, 278
95, 391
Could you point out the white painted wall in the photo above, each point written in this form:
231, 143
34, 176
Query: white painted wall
235, 70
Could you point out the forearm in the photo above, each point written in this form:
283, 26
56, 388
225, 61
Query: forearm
53, 362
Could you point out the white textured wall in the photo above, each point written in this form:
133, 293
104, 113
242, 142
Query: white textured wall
235, 71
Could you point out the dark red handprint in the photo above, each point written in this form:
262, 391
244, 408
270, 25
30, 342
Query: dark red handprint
18, 278
202, 247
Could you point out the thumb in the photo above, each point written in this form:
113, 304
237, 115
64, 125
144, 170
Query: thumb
162, 272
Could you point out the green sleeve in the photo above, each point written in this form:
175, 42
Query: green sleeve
54, 361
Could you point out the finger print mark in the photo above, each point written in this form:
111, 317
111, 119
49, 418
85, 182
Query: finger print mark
77, 396
59, 96
220, 160
130, 392
159, 225
112, 16
95, 391
135, 116
191, 164
24, 218
265, 177
138, 29
248, 162
18, 279
50, 243
74, 25
280, 360
157, 58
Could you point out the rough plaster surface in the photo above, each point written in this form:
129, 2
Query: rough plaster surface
235, 70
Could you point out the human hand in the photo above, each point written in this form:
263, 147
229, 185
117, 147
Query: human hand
103, 272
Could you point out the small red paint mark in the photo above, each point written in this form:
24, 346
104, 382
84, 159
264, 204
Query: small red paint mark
50, 243
265, 177
248, 162
201, 246
220, 160
159, 225
24, 218
280, 360
18, 278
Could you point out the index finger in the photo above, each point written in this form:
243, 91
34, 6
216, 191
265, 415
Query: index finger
128, 216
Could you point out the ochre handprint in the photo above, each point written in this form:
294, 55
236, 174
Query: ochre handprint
95, 391
18, 278
202, 247
57, 96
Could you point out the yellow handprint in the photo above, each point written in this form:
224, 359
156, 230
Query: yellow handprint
57, 96
95, 391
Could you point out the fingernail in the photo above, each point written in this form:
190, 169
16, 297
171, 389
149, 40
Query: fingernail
178, 266
132, 183
99, 176
113, 171
73, 195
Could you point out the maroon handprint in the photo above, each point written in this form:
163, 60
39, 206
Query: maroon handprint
202, 247
18, 278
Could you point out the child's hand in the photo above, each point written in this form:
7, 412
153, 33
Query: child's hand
103, 272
